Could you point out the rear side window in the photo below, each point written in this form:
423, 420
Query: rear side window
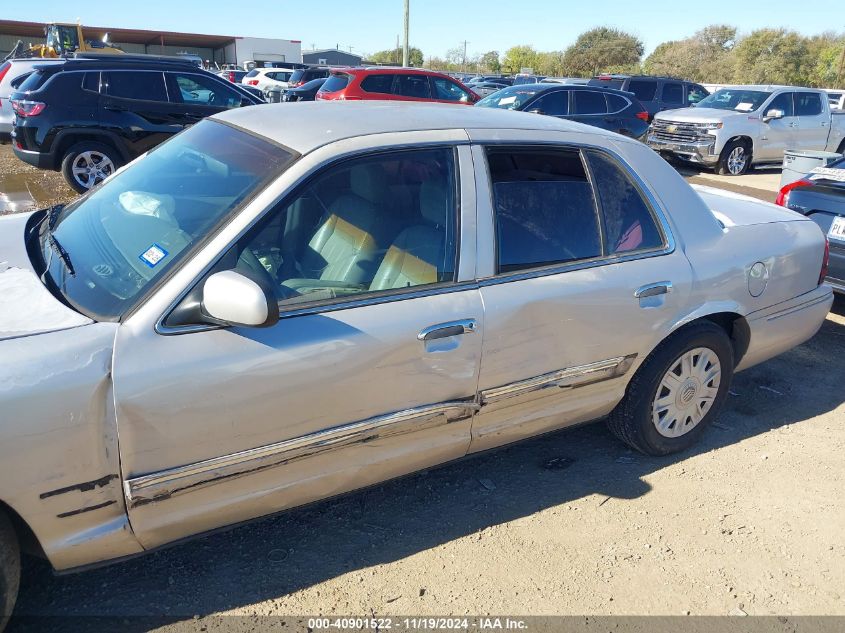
336, 82
544, 205
377, 83
32, 82
297, 76
628, 221
16, 83
251, 73
414, 86
143, 86
588, 102
673, 93
555, 103
91, 81
808, 103
615, 103
644, 90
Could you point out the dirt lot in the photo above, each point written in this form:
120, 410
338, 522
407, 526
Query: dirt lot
23, 187
571, 523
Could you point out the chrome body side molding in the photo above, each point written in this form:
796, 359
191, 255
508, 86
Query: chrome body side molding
168, 483
562, 378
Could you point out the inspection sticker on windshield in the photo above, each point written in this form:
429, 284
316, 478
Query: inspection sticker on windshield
153, 255
828, 173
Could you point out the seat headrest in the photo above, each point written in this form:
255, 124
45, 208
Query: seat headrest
434, 203
367, 182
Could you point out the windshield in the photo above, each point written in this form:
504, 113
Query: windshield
510, 98
131, 230
734, 99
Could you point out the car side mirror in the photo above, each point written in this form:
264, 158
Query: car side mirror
233, 298
772, 114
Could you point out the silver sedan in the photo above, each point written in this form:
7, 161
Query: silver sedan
276, 307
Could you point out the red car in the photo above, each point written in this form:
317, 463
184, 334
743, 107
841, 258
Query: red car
394, 84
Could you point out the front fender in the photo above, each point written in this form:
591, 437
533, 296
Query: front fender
59, 464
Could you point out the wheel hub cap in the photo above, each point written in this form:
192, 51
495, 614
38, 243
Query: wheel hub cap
686, 392
92, 168
736, 160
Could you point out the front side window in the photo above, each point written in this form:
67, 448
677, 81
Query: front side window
446, 90
544, 206
205, 91
782, 102
381, 84
142, 86
695, 94
588, 102
414, 86
553, 103
123, 236
808, 103
628, 222
372, 224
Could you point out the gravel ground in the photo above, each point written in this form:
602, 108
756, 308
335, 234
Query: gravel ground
23, 187
570, 523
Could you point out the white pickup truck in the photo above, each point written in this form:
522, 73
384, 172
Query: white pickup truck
737, 127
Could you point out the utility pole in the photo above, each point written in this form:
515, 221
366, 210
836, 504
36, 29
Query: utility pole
396, 50
464, 62
405, 49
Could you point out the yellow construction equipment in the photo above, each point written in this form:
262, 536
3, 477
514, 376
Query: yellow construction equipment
64, 39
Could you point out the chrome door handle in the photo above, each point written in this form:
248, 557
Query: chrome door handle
652, 290
452, 328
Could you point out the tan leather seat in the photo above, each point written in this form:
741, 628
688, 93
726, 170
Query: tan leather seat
347, 245
419, 253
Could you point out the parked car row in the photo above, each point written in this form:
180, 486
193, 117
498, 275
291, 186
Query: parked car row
285, 303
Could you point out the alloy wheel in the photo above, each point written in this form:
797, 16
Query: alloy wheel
736, 160
687, 391
91, 168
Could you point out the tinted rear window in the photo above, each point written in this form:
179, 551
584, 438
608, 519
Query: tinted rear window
377, 83
252, 73
615, 103
673, 93
616, 84
143, 86
545, 210
643, 89
33, 82
588, 102
335, 83
297, 76
808, 103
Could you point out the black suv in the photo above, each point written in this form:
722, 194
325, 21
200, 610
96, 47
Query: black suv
655, 93
88, 116
302, 76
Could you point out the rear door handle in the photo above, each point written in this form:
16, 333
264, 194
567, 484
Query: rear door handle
452, 328
652, 290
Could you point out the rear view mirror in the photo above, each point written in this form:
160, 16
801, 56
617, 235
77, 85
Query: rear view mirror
772, 114
232, 298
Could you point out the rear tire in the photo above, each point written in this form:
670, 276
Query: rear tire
735, 159
87, 163
10, 569
673, 398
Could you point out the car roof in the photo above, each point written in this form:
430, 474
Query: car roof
770, 87
307, 126
546, 87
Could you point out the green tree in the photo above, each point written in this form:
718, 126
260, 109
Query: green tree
706, 56
490, 62
603, 49
519, 57
550, 64
394, 56
773, 56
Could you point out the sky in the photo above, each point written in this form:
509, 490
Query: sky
436, 25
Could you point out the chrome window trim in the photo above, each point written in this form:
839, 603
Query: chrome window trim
562, 378
167, 483
332, 305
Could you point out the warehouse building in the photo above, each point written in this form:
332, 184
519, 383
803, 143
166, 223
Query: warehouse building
219, 49
330, 57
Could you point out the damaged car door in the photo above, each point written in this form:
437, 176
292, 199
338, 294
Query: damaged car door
371, 371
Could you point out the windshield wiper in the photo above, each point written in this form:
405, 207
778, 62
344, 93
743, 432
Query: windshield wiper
52, 213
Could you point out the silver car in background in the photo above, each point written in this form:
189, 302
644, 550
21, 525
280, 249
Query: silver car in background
285, 303
13, 72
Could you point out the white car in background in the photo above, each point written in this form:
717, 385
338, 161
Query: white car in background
266, 78
836, 99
